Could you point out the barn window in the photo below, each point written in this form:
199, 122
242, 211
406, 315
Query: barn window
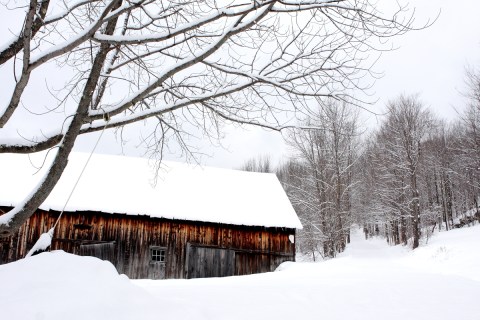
157, 254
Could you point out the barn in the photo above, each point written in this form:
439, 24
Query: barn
178, 221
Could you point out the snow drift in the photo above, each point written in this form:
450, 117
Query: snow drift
58, 285
370, 280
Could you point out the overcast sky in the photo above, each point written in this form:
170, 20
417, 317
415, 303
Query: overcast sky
429, 62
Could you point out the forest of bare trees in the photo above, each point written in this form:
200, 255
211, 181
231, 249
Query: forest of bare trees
413, 174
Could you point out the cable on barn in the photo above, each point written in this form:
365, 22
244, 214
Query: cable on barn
45, 239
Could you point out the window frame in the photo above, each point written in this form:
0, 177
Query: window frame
157, 253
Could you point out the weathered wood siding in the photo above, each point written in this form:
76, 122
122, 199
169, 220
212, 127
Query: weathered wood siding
207, 262
125, 240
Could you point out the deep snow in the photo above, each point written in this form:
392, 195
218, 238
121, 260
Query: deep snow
370, 280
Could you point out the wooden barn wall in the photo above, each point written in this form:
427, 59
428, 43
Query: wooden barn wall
256, 249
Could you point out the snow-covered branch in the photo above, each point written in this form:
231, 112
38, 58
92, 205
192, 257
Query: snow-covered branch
252, 62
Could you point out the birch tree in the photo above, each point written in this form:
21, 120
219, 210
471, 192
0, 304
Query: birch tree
180, 64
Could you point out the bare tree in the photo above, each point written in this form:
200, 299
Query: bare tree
399, 144
464, 148
385, 200
180, 63
325, 183
259, 164
440, 172
468, 138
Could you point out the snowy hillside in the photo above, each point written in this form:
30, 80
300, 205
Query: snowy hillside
370, 280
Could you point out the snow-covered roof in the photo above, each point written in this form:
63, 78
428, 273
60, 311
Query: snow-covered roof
120, 184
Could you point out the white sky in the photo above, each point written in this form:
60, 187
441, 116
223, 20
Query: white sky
430, 62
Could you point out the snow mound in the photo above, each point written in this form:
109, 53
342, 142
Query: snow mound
456, 252
58, 285
369, 281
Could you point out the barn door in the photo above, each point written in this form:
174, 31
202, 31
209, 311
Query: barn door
156, 265
104, 251
156, 271
205, 262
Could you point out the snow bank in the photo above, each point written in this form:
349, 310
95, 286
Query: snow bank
119, 184
456, 252
59, 285
369, 281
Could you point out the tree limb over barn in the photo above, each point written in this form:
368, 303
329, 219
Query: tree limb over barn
184, 62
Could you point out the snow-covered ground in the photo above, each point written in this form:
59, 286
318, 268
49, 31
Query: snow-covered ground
371, 280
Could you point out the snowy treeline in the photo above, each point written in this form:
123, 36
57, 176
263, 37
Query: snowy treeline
419, 173
319, 177
413, 174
